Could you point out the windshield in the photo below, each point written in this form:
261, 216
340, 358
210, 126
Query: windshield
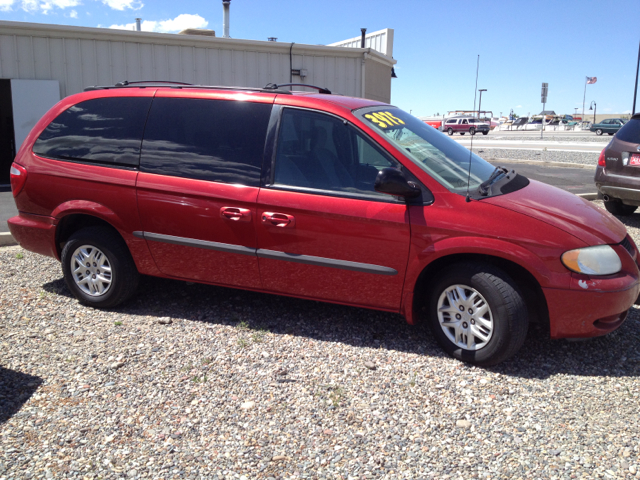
442, 158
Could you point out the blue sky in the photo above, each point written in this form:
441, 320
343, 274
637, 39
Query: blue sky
521, 43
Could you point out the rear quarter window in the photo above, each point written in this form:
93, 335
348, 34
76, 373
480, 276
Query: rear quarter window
104, 130
214, 140
630, 131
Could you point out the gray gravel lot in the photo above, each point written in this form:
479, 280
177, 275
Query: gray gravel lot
584, 158
242, 385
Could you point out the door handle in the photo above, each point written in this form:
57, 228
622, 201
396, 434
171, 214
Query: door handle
278, 219
236, 214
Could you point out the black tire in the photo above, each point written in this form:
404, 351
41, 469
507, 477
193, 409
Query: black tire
506, 308
450, 131
599, 131
618, 208
462, 133
472, 131
610, 133
485, 133
111, 252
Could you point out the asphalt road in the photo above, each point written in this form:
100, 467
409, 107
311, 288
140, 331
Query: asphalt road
7, 209
574, 179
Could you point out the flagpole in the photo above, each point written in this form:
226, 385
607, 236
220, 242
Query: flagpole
584, 97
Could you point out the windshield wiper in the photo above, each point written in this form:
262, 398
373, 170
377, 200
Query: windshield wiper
499, 171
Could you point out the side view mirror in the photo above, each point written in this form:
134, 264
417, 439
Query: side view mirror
392, 182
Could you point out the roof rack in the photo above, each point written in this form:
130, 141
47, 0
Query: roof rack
165, 83
274, 86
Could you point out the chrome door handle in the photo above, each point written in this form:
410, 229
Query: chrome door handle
236, 214
278, 219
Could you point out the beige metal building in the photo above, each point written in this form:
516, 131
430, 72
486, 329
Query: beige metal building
77, 57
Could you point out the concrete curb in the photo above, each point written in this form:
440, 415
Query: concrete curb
7, 239
588, 196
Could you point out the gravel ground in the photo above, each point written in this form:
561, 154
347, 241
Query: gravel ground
584, 158
548, 136
193, 381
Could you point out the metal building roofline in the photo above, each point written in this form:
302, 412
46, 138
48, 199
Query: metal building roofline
108, 34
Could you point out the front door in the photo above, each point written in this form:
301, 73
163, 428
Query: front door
323, 231
197, 188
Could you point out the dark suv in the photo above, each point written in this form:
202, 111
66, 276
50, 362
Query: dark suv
315, 196
618, 171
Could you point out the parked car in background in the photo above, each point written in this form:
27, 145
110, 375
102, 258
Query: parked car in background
610, 126
618, 171
316, 196
463, 125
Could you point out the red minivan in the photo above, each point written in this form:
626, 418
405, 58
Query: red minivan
316, 196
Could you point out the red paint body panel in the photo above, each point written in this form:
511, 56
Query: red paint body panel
370, 232
190, 209
564, 210
34, 233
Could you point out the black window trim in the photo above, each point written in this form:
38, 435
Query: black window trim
273, 131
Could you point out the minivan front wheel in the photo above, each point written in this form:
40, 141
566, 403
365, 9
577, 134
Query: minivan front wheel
98, 268
472, 131
477, 314
599, 132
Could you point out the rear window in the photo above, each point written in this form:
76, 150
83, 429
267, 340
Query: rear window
214, 140
630, 131
103, 130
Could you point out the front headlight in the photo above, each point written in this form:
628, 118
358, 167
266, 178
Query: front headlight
600, 260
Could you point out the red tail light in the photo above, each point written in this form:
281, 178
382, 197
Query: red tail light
601, 160
18, 178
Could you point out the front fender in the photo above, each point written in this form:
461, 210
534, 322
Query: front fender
463, 247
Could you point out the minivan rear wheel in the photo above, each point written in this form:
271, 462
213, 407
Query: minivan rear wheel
98, 268
598, 131
477, 314
450, 131
618, 208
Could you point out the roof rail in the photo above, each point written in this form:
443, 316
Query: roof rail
273, 86
165, 83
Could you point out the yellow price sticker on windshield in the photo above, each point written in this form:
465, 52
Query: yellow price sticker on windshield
383, 119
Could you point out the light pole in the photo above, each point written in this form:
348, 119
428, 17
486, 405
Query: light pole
480, 102
594, 107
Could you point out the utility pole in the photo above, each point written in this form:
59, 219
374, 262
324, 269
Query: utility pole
635, 92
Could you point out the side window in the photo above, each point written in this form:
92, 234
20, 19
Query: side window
451, 121
214, 140
104, 130
464, 122
320, 152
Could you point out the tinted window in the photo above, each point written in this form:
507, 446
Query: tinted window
630, 131
321, 152
451, 121
215, 140
104, 130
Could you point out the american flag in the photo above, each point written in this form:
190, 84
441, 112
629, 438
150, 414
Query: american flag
591, 80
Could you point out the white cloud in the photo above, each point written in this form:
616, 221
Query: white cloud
181, 22
38, 6
73, 14
122, 4
5, 5
518, 106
